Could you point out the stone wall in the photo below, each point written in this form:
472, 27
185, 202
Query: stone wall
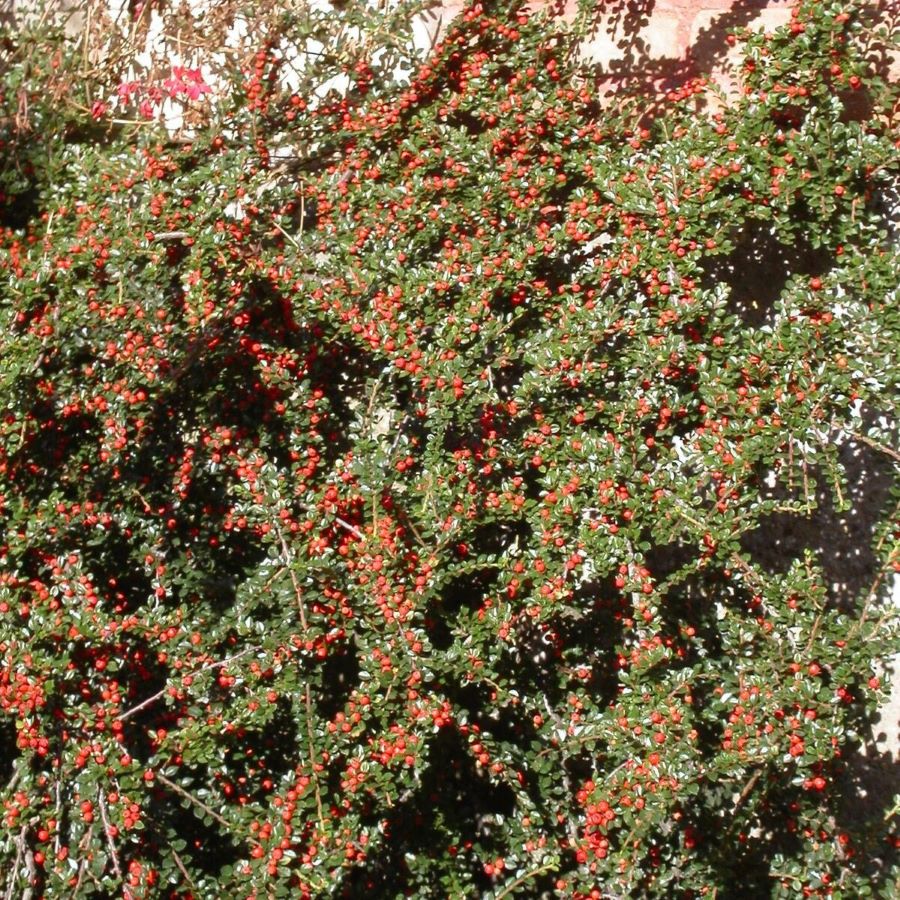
664, 42
660, 44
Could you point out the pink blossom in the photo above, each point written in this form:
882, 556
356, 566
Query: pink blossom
99, 109
186, 81
126, 89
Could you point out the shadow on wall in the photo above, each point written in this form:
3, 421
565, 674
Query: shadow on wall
842, 543
647, 47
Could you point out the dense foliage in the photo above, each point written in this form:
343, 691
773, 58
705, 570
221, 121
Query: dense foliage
397, 484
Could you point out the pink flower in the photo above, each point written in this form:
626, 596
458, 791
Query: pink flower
196, 88
186, 81
99, 109
126, 89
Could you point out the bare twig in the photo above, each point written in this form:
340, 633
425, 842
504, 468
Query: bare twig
57, 841
573, 834
527, 876
288, 236
14, 872
154, 697
28, 893
746, 792
195, 800
181, 868
113, 854
873, 590
170, 236
307, 698
312, 758
147, 507
875, 445
351, 528
82, 867
813, 632
14, 779
298, 591
343, 523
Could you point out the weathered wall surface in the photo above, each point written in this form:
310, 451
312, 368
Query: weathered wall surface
664, 42
643, 45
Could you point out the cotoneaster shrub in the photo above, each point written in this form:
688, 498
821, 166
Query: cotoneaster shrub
390, 481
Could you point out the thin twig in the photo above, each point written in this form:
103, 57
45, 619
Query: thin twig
873, 591
351, 528
876, 445
181, 868
154, 697
170, 236
147, 507
195, 800
527, 876
298, 591
82, 868
791, 462
561, 725
14, 872
312, 758
301, 609
745, 792
28, 893
813, 631
14, 779
805, 468
57, 837
289, 237
113, 854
